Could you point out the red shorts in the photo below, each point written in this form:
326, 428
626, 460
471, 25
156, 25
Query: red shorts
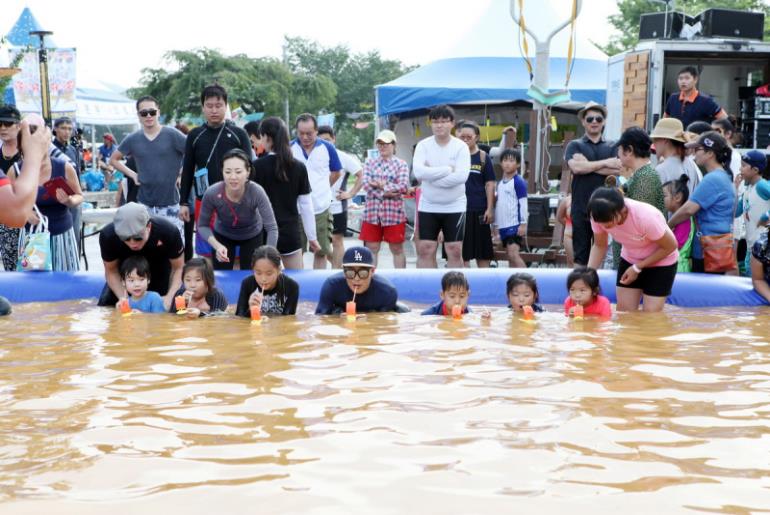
388, 233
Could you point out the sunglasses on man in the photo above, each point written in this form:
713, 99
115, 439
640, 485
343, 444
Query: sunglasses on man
136, 238
7, 123
148, 112
592, 119
361, 273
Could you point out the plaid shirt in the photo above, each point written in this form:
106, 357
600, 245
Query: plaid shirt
381, 210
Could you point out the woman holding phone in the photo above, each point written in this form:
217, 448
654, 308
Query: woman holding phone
58, 191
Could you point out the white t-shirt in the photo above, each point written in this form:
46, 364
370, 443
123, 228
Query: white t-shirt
321, 161
443, 171
350, 165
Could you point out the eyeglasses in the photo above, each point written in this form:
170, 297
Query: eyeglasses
352, 273
592, 119
6, 123
148, 112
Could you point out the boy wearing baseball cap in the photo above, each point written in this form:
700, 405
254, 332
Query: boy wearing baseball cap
754, 204
372, 292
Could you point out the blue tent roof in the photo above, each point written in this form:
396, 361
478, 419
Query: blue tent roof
19, 34
485, 80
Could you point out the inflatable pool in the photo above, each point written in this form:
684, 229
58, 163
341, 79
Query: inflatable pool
420, 286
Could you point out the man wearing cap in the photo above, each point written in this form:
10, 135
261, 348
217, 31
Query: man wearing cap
386, 181
133, 232
323, 169
372, 293
590, 159
340, 194
11, 154
105, 152
157, 153
754, 204
669, 139
690, 105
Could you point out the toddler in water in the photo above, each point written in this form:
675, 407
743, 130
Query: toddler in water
269, 288
201, 295
522, 291
454, 292
675, 194
135, 275
583, 286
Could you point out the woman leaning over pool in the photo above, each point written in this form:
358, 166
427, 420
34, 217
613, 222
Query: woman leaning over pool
649, 257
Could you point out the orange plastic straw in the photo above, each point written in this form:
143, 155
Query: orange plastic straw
256, 313
180, 302
529, 313
457, 312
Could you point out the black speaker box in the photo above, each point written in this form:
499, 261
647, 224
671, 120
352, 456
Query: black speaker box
729, 23
661, 26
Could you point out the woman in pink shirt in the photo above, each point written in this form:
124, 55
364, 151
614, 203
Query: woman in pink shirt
649, 257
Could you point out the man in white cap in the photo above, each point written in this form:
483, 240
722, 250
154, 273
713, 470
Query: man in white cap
590, 159
135, 232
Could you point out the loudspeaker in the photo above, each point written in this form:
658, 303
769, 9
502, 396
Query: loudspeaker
730, 23
662, 26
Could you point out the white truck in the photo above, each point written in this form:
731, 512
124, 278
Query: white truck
640, 81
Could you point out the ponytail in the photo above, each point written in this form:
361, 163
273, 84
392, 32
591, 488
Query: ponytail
276, 130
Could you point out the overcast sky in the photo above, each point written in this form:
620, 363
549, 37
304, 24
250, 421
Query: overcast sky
115, 39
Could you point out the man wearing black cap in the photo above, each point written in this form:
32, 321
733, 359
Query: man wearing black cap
11, 154
135, 232
372, 293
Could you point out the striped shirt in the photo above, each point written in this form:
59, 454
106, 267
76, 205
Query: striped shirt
394, 173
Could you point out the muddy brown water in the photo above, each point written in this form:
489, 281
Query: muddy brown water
390, 414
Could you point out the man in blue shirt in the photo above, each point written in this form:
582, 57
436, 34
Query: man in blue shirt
372, 293
690, 105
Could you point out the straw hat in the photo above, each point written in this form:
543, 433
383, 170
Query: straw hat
669, 128
592, 106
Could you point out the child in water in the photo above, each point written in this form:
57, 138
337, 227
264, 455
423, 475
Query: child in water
584, 290
522, 291
201, 295
135, 275
269, 288
675, 194
454, 292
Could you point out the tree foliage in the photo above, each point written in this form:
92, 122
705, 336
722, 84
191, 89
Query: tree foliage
626, 23
256, 85
316, 79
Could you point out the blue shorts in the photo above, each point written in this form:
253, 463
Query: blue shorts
510, 236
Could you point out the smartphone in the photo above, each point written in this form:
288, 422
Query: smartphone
57, 183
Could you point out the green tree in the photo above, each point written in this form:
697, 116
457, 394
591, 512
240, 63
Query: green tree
626, 23
355, 75
256, 85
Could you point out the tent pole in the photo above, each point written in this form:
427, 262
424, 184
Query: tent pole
93, 146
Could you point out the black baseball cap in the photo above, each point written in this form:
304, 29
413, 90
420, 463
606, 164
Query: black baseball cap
9, 114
